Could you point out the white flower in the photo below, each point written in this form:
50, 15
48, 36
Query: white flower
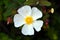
28, 17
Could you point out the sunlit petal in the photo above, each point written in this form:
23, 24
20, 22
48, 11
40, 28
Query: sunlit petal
18, 20
37, 25
24, 11
36, 13
27, 30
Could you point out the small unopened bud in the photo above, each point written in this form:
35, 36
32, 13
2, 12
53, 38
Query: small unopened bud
46, 22
44, 9
9, 20
52, 10
37, 2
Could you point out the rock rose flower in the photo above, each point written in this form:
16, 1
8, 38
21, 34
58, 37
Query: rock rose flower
27, 17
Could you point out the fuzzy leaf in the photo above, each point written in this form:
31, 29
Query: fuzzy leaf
45, 3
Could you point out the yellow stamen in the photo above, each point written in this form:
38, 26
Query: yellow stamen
28, 20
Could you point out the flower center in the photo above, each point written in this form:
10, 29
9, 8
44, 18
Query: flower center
28, 20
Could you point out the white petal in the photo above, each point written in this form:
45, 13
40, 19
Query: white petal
37, 25
36, 13
18, 20
27, 30
24, 11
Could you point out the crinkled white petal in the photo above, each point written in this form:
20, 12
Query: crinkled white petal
27, 30
37, 25
36, 13
24, 11
18, 20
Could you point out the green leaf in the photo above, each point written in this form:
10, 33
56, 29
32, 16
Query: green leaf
0, 17
18, 38
7, 13
1, 13
52, 33
30, 2
9, 4
6, 2
45, 3
46, 16
20, 1
1, 2
55, 36
4, 37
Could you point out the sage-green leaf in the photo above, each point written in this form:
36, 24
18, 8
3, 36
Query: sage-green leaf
45, 3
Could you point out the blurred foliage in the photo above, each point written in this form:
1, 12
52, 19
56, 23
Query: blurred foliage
8, 8
4, 37
52, 34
